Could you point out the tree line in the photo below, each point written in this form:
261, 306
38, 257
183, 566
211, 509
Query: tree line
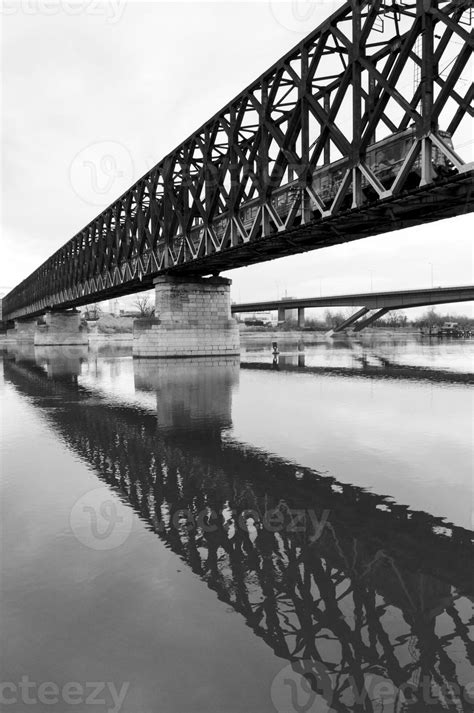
392, 320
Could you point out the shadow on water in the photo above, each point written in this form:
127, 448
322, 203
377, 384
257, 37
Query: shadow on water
348, 587
296, 362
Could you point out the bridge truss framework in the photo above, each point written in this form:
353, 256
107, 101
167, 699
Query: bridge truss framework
336, 93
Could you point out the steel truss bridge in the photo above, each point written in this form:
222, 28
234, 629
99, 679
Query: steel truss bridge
350, 134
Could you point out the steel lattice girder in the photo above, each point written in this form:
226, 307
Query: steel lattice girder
214, 202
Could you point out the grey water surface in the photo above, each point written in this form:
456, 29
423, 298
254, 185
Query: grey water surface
288, 533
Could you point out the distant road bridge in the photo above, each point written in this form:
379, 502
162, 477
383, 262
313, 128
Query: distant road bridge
381, 302
350, 134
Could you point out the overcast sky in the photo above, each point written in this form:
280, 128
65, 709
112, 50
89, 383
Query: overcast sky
94, 95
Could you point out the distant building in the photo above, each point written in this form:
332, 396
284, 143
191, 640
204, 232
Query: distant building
111, 307
106, 307
265, 318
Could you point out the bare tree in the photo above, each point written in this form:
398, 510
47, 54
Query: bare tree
144, 306
93, 311
335, 319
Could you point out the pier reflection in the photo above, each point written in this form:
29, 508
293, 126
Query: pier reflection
190, 394
57, 361
348, 587
61, 362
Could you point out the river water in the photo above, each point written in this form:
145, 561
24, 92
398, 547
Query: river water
289, 533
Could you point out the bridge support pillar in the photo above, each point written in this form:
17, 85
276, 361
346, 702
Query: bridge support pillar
61, 329
373, 317
301, 317
23, 331
348, 322
192, 319
281, 314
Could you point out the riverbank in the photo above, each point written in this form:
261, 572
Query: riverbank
249, 335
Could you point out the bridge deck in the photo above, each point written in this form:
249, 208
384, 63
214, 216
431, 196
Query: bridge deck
373, 300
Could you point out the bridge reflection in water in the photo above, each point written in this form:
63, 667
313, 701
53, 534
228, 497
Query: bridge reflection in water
357, 591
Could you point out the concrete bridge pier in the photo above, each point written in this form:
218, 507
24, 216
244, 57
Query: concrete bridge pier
61, 329
192, 319
373, 317
24, 330
301, 317
348, 322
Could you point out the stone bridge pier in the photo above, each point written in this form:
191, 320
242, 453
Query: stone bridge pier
60, 328
192, 319
23, 330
